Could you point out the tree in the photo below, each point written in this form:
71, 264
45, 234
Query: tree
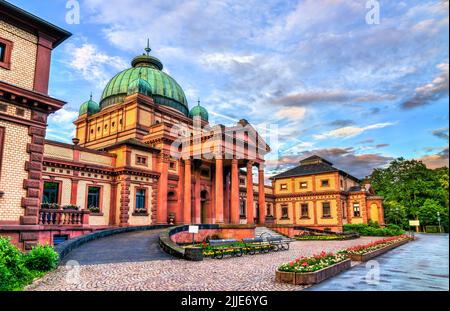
395, 213
406, 186
428, 214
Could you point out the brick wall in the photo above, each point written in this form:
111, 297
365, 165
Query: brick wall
23, 56
13, 170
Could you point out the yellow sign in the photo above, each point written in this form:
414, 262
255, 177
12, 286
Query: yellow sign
414, 223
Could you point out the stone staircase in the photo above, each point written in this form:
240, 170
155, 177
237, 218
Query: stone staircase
266, 232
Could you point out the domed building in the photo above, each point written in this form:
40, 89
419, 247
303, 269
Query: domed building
162, 160
142, 156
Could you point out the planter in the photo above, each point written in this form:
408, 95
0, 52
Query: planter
368, 256
312, 277
285, 277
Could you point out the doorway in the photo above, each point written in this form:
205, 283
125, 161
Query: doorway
204, 199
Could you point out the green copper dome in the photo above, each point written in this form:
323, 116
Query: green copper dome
139, 86
199, 111
163, 89
89, 107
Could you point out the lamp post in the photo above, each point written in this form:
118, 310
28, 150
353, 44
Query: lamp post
439, 221
396, 215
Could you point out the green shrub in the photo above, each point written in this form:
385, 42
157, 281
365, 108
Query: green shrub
13, 272
18, 269
41, 258
372, 230
432, 229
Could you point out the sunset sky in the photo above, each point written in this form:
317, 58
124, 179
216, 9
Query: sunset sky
330, 84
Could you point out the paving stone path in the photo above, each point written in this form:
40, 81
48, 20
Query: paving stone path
126, 247
417, 266
132, 262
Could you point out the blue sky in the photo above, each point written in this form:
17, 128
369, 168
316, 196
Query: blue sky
314, 71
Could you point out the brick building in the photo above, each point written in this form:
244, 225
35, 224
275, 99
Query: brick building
315, 194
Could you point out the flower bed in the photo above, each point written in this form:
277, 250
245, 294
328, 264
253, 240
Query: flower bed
312, 270
208, 250
330, 237
371, 250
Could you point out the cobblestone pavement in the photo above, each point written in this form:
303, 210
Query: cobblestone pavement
125, 247
417, 266
252, 273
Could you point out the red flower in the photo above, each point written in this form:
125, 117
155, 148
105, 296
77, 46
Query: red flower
305, 264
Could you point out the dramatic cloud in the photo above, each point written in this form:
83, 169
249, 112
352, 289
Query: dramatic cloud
338, 96
359, 165
351, 131
341, 123
382, 146
441, 133
313, 68
437, 160
293, 113
430, 92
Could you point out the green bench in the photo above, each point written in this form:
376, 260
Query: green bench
221, 248
256, 244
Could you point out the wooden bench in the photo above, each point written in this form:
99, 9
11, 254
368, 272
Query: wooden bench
278, 243
222, 247
256, 244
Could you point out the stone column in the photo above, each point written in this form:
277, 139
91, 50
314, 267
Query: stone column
187, 217
161, 212
262, 195
380, 213
250, 203
219, 191
197, 198
234, 211
226, 204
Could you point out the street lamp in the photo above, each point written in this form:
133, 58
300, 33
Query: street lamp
439, 221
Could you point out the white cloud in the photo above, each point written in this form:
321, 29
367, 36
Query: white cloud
94, 65
63, 116
292, 113
350, 131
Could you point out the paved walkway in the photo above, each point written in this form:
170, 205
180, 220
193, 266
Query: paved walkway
126, 247
417, 266
132, 262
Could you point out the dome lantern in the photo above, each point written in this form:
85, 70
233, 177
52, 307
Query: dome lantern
139, 86
199, 111
89, 107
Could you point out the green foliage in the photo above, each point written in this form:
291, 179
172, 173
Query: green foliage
16, 270
432, 229
13, 273
408, 186
428, 214
373, 230
41, 258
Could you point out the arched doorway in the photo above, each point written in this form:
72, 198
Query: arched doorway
172, 204
374, 212
204, 199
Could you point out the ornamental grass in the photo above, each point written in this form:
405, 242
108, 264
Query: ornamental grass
366, 248
313, 263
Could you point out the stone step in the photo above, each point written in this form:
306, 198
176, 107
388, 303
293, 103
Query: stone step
267, 232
